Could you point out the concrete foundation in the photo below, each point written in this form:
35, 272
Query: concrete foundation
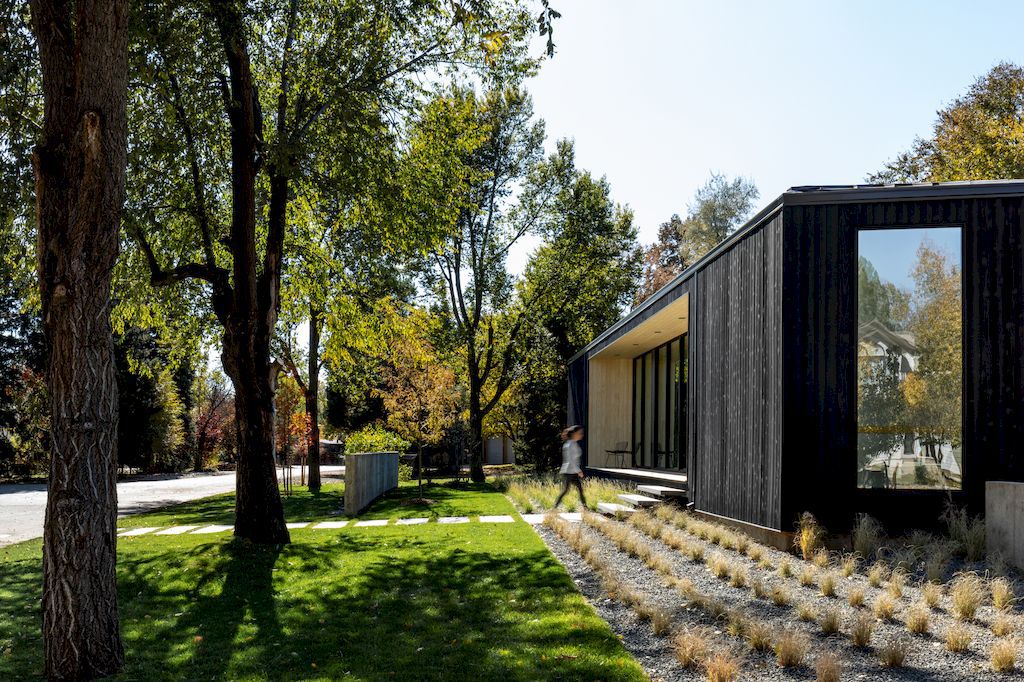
1004, 520
368, 475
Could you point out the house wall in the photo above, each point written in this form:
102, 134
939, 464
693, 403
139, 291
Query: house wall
610, 417
735, 382
819, 467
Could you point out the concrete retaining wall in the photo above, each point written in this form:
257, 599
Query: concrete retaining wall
1004, 520
368, 475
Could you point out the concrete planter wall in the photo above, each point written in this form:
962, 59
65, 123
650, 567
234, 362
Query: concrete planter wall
1004, 520
368, 475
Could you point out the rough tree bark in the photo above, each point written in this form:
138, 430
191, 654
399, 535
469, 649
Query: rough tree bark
313, 401
80, 175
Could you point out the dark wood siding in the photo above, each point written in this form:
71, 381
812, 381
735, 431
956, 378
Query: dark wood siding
819, 468
735, 380
576, 410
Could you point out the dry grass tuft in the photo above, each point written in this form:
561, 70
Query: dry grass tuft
809, 535
894, 652
719, 566
661, 621
855, 597
738, 624
760, 636
791, 648
738, 576
917, 618
1002, 625
897, 581
877, 573
780, 596
785, 568
758, 588
848, 565
931, 594
722, 666
967, 532
821, 558
830, 621
936, 563
692, 647
827, 584
1002, 593
1003, 656
806, 612
827, 668
958, 638
884, 607
807, 576
967, 591
867, 536
862, 630
695, 552
755, 552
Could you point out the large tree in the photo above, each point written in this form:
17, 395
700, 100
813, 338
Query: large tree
719, 207
333, 78
80, 179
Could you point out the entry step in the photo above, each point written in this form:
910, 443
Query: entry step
639, 500
662, 490
613, 509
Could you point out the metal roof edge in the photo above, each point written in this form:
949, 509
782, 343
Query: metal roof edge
838, 194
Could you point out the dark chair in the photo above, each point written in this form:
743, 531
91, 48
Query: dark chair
619, 453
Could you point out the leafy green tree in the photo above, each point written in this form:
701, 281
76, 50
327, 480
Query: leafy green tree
979, 136
719, 207
878, 300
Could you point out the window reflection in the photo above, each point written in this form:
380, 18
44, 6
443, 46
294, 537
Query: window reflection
910, 359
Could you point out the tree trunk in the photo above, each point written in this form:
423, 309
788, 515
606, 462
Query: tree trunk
313, 401
476, 428
80, 175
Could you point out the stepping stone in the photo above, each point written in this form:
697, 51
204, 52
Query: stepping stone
572, 516
296, 526
137, 531
613, 509
500, 518
410, 522
533, 519
372, 522
639, 500
176, 530
331, 524
661, 490
211, 529
453, 519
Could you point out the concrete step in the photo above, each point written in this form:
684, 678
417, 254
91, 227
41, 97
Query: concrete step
661, 490
613, 509
639, 500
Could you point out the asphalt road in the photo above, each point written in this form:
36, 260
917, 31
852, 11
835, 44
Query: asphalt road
23, 506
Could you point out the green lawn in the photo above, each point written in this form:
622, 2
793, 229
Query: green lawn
471, 601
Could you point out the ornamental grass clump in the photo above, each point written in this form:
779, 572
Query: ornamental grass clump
755, 552
780, 596
884, 607
827, 584
722, 666
758, 588
807, 576
848, 565
791, 648
931, 594
827, 668
719, 566
737, 623
894, 652
738, 576
692, 647
897, 581
806, 612
785, 568
862, 630
809, 535
821, 558
1003, 656
1002, 625
855, 597
1002, 593
760, 636
958, 638
917, 618
967, 532
877, 573
829, 621
966, 593
867, 536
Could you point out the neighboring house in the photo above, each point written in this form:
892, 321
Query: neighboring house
498, 450
738, 380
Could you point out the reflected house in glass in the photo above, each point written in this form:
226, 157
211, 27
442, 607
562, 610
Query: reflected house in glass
851, 349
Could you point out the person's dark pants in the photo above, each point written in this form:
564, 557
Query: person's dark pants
571, 479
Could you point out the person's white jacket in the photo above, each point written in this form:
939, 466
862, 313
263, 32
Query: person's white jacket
572, 455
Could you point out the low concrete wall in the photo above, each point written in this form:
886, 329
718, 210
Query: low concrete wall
368, 475
1004, 520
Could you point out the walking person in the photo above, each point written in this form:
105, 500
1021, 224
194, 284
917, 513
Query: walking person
571, 471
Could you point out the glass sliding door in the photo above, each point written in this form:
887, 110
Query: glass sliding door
659, 387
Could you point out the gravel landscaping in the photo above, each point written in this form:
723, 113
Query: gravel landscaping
927, 657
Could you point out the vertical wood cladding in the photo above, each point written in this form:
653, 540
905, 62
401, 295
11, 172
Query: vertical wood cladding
820, 354
735, 380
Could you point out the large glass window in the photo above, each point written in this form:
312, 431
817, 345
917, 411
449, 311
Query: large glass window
909, 359
659, 388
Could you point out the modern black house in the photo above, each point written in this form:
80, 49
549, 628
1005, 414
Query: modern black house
850, 349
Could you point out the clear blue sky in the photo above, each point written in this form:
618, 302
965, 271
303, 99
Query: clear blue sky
894, 252
659, 93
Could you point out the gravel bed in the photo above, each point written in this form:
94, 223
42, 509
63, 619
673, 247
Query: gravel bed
927, 660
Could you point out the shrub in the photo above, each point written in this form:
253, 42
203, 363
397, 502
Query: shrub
931, 594
722, 666
809, 535
806, 612
917, 619
848, 565
876, 574
1003, 656
855, 597
791, 648
760, 636
374, 438
1002, 625
404, 472
958, 638
1002, 593
897, 581
967, 532
807, 576
827, 668
894, 652
966, 592
884, 607
829, 621
780, 596
867, 536
862, 630
785, 568
827, 584
691, 647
